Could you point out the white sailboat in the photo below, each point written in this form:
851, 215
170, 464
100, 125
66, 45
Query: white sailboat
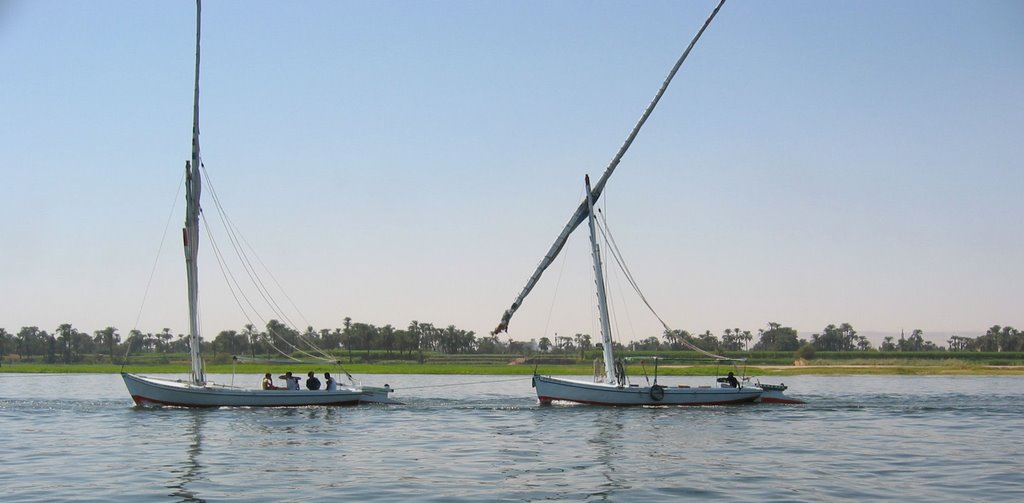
197, 391
613, 387
616, 389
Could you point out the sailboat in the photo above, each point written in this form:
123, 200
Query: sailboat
616, 389
612, 386
198, 391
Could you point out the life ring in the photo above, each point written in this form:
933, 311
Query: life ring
657, 392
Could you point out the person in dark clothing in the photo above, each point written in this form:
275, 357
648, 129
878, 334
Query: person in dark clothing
312, 383
732, 381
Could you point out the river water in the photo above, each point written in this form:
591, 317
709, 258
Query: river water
484, 438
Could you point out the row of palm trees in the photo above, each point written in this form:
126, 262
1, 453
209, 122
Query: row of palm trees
779, 338
68, 344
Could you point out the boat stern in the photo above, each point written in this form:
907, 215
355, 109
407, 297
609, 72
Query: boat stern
775, 393
378, 394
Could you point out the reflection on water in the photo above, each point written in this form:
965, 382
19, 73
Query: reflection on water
858, 438
190, 470
608, 432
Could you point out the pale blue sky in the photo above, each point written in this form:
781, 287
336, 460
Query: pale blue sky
813, 162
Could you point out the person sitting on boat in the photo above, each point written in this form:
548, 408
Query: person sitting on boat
268, 382
291, 382
312, 383
732, 381
331, 384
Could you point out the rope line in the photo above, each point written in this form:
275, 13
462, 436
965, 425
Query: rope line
237, 240
230, 278
152, 272
461, 384
617, 255
159, 250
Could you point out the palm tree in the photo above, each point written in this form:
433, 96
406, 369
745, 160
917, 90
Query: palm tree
388, 337
544, 345
66, 334
251, 333
4, 336
747, 337
107, 337
672, 338
164, 340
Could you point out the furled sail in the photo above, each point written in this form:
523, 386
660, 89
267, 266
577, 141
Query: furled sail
193, 188
581, 212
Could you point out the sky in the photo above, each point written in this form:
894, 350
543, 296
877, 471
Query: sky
813, 163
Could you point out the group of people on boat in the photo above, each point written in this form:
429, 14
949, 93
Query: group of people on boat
292, 382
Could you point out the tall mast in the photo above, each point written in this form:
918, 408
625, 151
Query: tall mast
193, 188
580, 215
602, 298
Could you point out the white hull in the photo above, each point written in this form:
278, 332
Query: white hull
150, 391
553, 389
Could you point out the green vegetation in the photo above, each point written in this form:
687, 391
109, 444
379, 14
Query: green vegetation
422, 348
673, 363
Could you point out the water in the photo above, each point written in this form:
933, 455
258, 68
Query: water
484, 438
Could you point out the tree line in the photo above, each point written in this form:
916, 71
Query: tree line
68, 344
779, 338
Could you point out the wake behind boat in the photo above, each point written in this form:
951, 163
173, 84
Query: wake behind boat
197, 391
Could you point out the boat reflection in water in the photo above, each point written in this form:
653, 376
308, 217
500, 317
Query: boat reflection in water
190, 470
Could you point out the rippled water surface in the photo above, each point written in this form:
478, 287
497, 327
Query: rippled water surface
484, 438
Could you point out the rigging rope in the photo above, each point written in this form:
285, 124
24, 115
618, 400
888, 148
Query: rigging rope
554, 295
233, 236
276, 282
617, 255
229, 278
156, 262
618, 284
159, 249
236, 289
